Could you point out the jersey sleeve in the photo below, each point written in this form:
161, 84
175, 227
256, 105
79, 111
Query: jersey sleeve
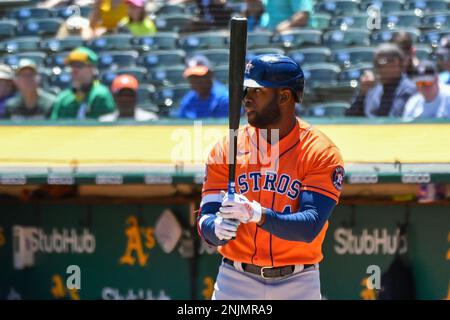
325, 173
216, 173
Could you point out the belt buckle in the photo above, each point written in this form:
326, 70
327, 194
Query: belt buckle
262, 272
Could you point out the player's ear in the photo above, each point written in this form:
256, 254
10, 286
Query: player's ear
284, 95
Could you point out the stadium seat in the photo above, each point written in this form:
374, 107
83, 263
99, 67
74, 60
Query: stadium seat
310, 55
403, 19
423, 51
162, 58
252, 53
56, 60
20, 44
217, 57
168, 98
258, 39
204, 40
108, 76
40, 27
322, 21
175, 22
117, 59
8, 28
221, 73
336, 39
168, 9
158, 41
329, 109
353, 56
297, 38
13, 59
120, 41
321, 73
355, 72
66, 12
427, 6
385, 6
338, 7
62, 80
433, 37
167, 76
66, 44
438, 20
380, 36
22, 14
354, 21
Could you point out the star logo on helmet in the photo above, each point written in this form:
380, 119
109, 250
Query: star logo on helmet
248, 67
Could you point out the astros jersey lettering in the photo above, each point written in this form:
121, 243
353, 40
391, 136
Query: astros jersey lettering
275, 175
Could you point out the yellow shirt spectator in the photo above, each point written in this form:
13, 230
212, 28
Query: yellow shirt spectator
108, 13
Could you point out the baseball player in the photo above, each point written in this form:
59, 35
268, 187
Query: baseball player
289, 178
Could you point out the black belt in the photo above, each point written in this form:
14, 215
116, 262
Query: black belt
267, 272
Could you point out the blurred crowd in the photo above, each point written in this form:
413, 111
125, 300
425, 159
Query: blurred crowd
398, 84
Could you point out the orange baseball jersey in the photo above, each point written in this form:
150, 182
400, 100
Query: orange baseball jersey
274, 175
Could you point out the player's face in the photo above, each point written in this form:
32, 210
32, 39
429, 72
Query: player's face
261, 107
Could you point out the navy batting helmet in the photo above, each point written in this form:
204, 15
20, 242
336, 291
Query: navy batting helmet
274, 71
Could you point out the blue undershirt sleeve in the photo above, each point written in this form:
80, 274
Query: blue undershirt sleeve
206, 225
303, 226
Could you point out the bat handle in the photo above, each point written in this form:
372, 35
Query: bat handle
231, 188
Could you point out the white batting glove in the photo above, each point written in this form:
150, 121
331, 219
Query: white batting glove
237, 206
225, 229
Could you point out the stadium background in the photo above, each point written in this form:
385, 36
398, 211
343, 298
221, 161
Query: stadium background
112, 182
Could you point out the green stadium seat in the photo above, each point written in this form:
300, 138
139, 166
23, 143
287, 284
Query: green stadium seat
66, 12
328, 109
438, 20
322, 20
168, 98
310, 55
117, 59
221, 73
423, 51
61, 80
433, 37
385, 35
204, 40
20, 44
297, 38
173, 22
13, 59
40, 27
158, 41
354, 73
352, 56
427, 6
354, 21
336, 39
66, 44
321, 73
167, 76
252, 53
56, 60
258, 39
168, 9
403, 19
338, 7
120, 41
162, 58
8, 28
22, 14
385, 6
217, 57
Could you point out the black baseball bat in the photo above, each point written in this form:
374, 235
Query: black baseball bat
238, 47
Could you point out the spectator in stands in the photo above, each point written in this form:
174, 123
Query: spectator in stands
207, 98
213, 14
7, 87
253, 11
388, 95
404, 41
30, 102
125, 91
106, 15
432, 99
75, 26
87, 98
443, 58
281, 15
137, 21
